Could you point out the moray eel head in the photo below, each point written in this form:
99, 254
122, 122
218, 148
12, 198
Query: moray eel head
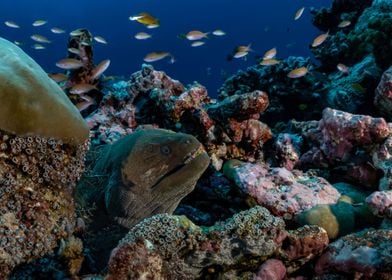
158, 168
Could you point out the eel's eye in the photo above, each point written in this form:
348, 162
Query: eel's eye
165, 149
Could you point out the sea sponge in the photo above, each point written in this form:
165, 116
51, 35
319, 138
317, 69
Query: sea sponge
33, 104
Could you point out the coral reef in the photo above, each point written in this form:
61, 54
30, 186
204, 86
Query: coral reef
368, 34
365, 254
305, 94
228, 129
282, 192
43, 141
383, 96
188, 251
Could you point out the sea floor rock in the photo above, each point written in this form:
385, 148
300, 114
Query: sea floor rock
285, 193
240, 243
365, 254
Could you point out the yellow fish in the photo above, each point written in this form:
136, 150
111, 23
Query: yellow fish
269, 62
320, 39
145, 19
297, 73
270, 54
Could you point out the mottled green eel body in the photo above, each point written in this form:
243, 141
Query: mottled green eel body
149, 172
145, 173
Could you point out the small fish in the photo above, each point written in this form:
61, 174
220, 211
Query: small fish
197, 43
240, 54
152, 26
87, 102
18, 43
358, 87
343, 68
39, 22
58, 77
269, 62
299, 13
81, 88
38, 47
244, 48
57, 30
297, 73
74, 51
320, 39
145, 19
218, 32
270, 54
196, 35
40, 39
155, 56
344, 23
11, 24
69, 63
100, 39
99, 69
76, 32
142, 36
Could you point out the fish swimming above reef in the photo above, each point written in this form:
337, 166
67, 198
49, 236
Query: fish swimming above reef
146, 19
148, 172
155, 56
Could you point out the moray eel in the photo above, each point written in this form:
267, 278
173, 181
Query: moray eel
149, 172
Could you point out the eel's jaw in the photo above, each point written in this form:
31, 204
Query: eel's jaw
194, 154
187, 160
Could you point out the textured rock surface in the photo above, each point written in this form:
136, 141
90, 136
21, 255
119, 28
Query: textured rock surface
242, 242
37, 181
282, 192
31, 103
383, 97
343, 132
367, 253
381, 203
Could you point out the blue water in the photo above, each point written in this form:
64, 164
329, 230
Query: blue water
264, 23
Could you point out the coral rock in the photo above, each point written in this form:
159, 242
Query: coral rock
366, 253
272, 269
282, 192
33, 104
383, 97
381, 203
342, 132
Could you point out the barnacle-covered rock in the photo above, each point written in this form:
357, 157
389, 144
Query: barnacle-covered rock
38, 177
241, 243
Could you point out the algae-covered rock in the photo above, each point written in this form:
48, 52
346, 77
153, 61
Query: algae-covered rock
33, 104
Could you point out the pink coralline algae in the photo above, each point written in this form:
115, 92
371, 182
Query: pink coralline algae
380, 203
365, 255
383, 97
281, 191
272, 269
343, 132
